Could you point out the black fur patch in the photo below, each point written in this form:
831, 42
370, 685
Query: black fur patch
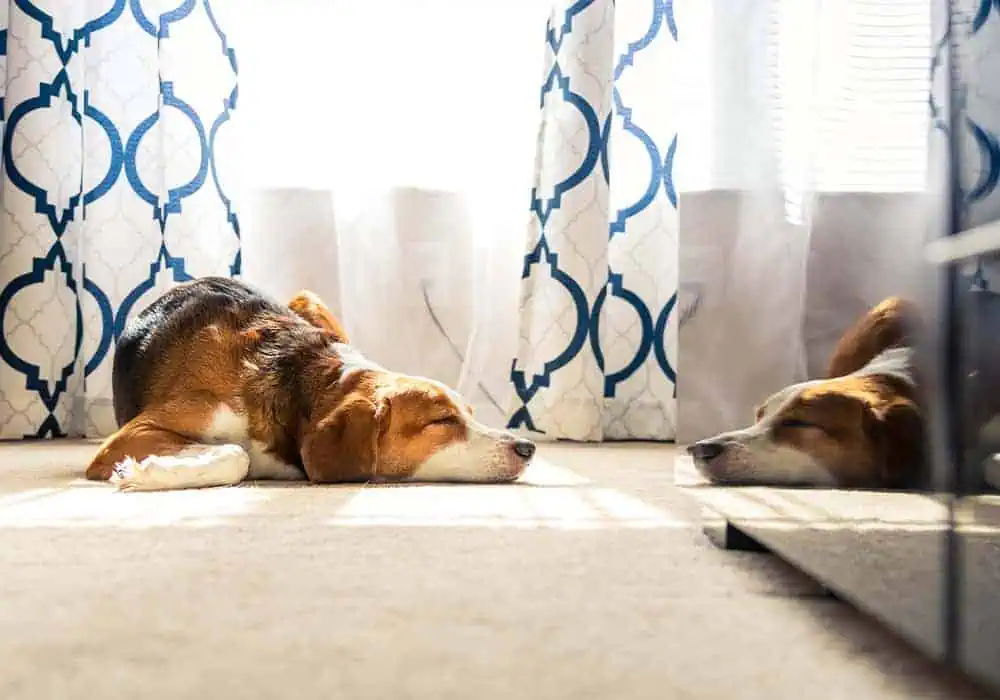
178, 314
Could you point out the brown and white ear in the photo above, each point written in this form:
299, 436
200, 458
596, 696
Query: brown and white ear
343, 446
311, 308
901, 431
893, 322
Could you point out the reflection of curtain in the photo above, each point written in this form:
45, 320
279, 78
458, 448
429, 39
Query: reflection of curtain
965, 106
598, 319
765, 161
802, 167
113, 186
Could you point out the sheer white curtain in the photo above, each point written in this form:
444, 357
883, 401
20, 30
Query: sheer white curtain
387, 167
802, 174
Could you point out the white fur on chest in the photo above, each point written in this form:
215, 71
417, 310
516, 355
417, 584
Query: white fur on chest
231, 427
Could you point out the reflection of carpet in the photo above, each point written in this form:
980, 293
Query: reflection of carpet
991, 472
868, 546
592, 580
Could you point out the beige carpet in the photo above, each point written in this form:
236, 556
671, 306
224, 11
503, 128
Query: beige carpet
592, 581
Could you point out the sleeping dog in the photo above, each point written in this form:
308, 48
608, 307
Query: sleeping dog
215, 383
862, 426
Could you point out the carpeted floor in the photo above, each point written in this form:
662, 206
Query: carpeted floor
593, 580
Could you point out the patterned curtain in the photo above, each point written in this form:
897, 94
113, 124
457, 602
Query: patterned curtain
598, 329
114, 186
965, 111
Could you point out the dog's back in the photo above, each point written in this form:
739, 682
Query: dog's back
177, 315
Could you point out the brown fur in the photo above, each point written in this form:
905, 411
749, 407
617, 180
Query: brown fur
867, 431
892, 323
311, 308
407, 437
394, 425
864, 430
890, 443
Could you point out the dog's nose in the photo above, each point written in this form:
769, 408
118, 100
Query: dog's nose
524, 449
706, 450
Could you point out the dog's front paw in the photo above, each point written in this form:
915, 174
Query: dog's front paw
197, 466
131, 475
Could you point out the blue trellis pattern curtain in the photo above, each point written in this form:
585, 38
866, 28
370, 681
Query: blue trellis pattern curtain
598, 333
114, 186
965, 111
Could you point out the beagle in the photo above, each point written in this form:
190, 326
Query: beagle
862, 426
215, 383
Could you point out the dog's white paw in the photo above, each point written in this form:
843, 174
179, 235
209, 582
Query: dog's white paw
198, 466
126, 473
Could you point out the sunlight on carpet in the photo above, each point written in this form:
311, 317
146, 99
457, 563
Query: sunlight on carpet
547, 497
816, 509
100, 505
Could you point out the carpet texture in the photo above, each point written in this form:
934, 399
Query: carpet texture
591, 580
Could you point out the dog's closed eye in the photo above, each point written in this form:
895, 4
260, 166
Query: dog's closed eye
797, 423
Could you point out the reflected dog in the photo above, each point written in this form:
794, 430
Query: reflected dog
861, 426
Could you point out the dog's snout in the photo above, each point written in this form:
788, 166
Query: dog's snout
706, 450
524, 449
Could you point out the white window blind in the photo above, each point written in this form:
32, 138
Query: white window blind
824, 95
870, 77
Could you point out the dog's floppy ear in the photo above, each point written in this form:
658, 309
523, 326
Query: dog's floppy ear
343, 445
901, 434
894, 322
311, 308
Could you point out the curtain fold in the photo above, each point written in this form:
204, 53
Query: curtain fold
114, 185
597, 351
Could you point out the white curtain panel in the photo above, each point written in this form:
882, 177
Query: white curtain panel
114, 185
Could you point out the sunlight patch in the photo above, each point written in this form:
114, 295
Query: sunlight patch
519, 507
101, 507
543, 473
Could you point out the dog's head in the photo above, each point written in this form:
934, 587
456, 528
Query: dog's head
390, 427
854, 431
